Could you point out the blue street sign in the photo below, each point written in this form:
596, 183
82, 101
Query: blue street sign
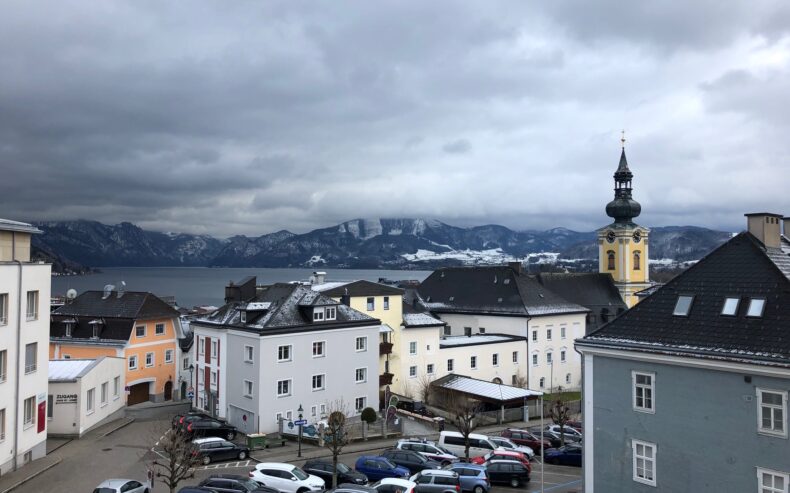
190, 395
290, 424
300, 422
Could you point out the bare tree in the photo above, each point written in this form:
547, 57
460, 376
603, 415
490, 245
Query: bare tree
336, 433
177, 459
463, 412
521, 381
424, 389
560, 415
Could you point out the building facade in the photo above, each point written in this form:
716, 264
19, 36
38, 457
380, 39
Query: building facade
688, 390
24, 333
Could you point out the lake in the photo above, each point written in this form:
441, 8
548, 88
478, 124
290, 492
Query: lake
206, 286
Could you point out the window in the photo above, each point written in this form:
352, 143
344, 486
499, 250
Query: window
549, 357
481, 330
756, 306
133, 362
284, 353
247, 388
330, 313
214, 345
318, 382
149, 360
534, 336
447, 330
29, 416
313, 411
386, 302
201, 345
562, 356
412, 371
637, 260
318, 349
542, 383
213, 377
289, 415
450, 365
139, 331
773, 412
429, 369
249, 354
159, 329
116, 387
186, 363
644, 390
168, 355
362, 343
50, 410
105, 391
2, 424
644, 462
683, 306
3, 365
90, 401
568, 378
495, 359
473, 362
562, 332
359, 404
361, 375
467, 331
278, 417
534, 359
32, 305
283, 388
318, 314
3, 308
769, 481
31, 357
730, 306
548, 334
515, 356
243, 316
371, 304
413, 348
610, 260
322, 408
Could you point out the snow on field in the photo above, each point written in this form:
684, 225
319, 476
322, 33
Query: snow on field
491, 256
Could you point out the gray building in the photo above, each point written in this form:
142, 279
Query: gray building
688, 390
271, 349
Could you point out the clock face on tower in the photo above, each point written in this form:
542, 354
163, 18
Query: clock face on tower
637, 236
610, 236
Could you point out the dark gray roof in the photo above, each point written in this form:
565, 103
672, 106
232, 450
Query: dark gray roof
114, 330
497, 290
363, 288
741, 267
592, 290
290, 310
414, 318
131, 304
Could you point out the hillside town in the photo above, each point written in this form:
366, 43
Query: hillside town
478, 378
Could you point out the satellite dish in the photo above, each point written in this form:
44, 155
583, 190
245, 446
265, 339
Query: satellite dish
108, 289
71, 294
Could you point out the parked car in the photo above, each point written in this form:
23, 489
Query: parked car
569, 455
436, 481
502, 442
122, 486
232, 483
524, 437
179, 419
286, 478
353, 488
211, 428
323, 469
428, 449
569, 430
213, 449
376, 468
507, 472
394, 485
502, 454
576, 425
556, 440
412, 461
455, 443
196, 489
473, 477
416, 407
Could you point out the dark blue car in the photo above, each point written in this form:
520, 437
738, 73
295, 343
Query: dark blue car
376, 468
569, 455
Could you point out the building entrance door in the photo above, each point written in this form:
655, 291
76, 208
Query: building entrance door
168, 390
137, 394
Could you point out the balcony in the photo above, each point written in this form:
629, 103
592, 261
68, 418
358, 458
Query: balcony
385, 379
385, 348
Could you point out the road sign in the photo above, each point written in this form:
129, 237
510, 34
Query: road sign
190, 395
290, 424
300, 422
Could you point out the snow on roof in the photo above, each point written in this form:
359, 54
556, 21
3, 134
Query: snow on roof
420, 319
65, 370
259, 305
477, 339
9, 225
483, 388
329, 285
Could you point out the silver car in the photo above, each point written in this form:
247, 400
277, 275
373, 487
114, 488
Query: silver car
506, 444
122, 486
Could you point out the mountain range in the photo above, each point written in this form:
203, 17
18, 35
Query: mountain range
359, 243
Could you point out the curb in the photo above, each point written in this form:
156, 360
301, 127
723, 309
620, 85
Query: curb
321, 455
20, 483
126, 423
61, 445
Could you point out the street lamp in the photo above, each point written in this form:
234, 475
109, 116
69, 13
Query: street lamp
300, 411
191, 401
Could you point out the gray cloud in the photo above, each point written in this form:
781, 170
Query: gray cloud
249, 117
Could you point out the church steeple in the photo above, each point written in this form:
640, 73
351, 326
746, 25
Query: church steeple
623, 209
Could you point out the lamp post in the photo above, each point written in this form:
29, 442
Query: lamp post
300, 411
191, 401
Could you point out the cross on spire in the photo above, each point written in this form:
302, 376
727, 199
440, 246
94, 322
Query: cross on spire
622, 139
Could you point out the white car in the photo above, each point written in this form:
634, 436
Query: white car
506, 444
568, 430
122, 486
286, 478
394, 485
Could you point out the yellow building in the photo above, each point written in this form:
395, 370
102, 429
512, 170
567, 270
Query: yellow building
623, 245
137, 326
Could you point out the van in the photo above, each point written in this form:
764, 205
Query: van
454, 442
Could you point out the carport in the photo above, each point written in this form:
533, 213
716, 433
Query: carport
497, 395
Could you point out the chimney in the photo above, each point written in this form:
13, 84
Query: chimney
345, 299
516, 266
786, 227
319, 277
765, 227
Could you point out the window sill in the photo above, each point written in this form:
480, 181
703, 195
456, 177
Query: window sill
283, 395
115, 398
319, 356
318, 390
27, 426
249, 361
31, 319
248, 396
773, 434
644, 410
89, 413
645, 481
103, 405
364, 381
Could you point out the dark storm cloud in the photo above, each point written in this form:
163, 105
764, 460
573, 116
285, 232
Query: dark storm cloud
250, 117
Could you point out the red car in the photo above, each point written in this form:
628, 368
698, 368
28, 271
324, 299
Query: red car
523, 437
501, 454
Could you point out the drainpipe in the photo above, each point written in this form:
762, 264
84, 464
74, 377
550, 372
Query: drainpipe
18, 342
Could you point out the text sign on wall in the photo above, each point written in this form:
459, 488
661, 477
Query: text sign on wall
65, 398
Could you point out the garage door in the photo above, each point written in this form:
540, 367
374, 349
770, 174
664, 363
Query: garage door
137, 394
242, 419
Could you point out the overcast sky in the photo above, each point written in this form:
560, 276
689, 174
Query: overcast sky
236, 117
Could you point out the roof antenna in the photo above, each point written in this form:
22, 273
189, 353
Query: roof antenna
622, 138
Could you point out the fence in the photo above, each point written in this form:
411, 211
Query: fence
355, 429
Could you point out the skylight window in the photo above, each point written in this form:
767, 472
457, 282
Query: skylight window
730, 306
683, 306
756, 307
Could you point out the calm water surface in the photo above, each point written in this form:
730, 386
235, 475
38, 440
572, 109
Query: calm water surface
206, 286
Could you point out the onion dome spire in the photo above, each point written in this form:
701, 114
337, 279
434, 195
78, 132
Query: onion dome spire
623, 208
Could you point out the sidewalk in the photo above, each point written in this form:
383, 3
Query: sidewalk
27, 472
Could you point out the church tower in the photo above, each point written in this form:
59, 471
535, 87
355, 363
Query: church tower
622, 245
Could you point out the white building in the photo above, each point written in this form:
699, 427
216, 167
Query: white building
84, 393
271, 349
24, 339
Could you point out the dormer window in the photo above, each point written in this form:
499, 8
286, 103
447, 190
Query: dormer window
756, 307
68, 329
96, 326
730, 306
243, 316
330, 313
318, 314
683, 306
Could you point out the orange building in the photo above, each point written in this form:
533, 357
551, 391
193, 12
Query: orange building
137, 326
